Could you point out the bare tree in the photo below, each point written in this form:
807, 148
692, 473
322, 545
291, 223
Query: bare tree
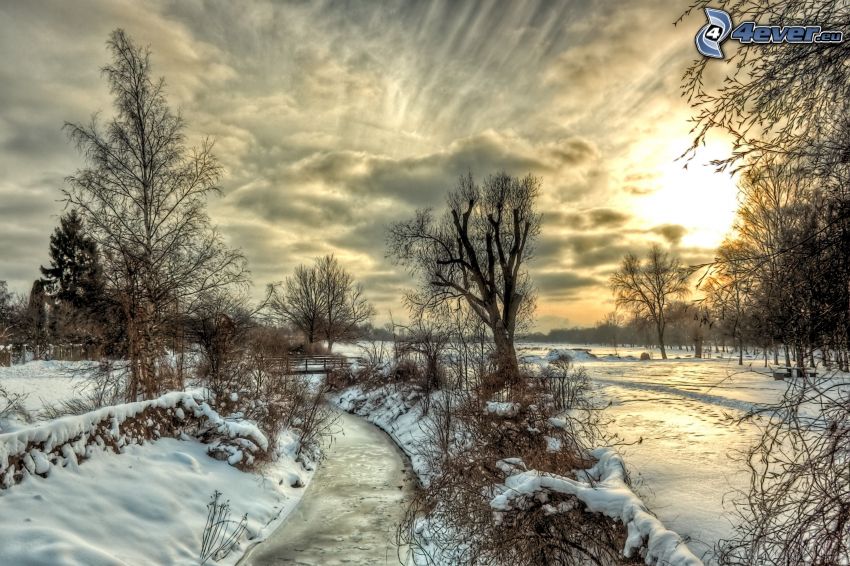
322, 301
299, 302
345, 307
646, 288
477, 252
6, 313
776, 101
144, 194
728, 290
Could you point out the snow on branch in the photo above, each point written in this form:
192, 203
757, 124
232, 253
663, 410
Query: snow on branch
603, 489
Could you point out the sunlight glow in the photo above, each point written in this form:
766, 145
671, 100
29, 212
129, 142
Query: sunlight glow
698, 198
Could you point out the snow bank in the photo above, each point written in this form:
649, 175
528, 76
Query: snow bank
574, 355
66, 440
602, 489
147, 506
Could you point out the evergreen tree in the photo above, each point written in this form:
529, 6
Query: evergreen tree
74, 281
36, 320
74, 275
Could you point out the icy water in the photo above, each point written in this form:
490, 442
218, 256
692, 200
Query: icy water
352, 506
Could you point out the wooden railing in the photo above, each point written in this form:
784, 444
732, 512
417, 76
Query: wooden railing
304, 364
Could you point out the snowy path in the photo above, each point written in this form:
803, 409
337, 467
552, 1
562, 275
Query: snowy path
351, 508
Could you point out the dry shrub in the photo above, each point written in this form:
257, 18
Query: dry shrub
451, 519
405, 370
797, 507
568, 385
340, 378
12, 406
254, 381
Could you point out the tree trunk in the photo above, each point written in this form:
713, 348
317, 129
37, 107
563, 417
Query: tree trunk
741, 351
661, 341
506, 362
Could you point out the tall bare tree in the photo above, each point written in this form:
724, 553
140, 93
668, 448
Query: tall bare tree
476, 252
728, 290
144, 194
345, 307
647, 287
298, 301
322, 301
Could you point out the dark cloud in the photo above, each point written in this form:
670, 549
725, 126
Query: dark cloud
334, 119
673, 233
564, 284
588, 219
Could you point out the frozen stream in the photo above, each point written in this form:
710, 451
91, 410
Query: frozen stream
352, 506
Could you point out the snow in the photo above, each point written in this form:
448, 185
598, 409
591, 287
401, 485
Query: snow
45, 383
502, 409
78, 502
603, 490
576, 355
145, 506
75, 434
679, 417
396, 412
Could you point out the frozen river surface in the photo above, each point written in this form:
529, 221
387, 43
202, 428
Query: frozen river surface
352, 506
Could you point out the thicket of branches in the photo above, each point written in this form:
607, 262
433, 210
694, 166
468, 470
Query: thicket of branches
783, 276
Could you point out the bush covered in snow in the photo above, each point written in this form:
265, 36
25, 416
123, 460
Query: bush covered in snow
493, 474
67, 440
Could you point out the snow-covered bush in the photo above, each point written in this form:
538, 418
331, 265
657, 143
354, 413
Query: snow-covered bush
469, 442
68, 440
558, 504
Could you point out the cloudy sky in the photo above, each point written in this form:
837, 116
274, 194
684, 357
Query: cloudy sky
333, 119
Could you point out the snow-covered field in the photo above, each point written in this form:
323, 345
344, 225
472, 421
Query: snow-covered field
45, 383
144, 506
680, 414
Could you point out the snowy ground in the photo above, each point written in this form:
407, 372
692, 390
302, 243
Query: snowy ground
681, 411
145, 506
681, 415
400, 414
45, 383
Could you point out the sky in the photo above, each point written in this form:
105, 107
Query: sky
334, 119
